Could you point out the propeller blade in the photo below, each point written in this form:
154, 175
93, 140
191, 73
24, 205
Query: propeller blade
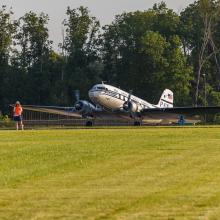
77, 95
127, 104
129, 96
79, 105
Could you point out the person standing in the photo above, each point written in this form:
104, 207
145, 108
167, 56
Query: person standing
17, 115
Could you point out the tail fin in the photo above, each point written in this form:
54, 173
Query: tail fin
166, 100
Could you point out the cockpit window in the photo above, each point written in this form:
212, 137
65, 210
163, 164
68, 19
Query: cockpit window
100, 88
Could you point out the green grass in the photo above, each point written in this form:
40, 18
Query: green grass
150, 173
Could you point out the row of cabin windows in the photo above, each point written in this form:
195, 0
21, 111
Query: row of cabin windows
126, 99
119, 95
122, 97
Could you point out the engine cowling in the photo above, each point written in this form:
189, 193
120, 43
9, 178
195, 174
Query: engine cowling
130, 106
84, 107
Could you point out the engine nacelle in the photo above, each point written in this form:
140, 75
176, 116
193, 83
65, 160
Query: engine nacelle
130, 106
84, 107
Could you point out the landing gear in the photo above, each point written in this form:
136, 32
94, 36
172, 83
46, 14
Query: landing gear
89, 123
137, 123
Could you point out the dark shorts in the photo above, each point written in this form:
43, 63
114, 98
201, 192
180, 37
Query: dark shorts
17, 118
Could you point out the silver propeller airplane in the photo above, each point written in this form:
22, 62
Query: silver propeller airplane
110, 102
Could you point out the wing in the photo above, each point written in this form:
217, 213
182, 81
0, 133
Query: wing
150, 113
165, 115
183, 110
67, 111
160, 113
71, 111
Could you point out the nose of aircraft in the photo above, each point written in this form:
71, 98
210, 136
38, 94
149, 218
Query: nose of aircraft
93, 95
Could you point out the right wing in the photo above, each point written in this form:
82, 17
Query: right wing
72, 112
67, 111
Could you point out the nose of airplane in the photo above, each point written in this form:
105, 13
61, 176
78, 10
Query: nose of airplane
93, 95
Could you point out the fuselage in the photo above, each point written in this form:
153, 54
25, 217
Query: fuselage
112, 98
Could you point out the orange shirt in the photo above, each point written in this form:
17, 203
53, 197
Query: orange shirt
18, 110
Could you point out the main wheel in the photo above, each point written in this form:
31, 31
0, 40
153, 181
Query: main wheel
137, 123
89, 124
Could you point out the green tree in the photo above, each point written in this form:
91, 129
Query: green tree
199, 34
7, 29
142, 51
32, 58
81, 46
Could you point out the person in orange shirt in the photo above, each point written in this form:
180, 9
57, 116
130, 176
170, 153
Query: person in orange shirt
17, 115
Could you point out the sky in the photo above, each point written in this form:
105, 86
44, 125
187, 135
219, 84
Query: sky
103, 10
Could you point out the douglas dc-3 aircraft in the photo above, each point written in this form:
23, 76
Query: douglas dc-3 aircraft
110, 102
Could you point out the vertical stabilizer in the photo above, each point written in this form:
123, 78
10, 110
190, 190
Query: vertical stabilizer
166, 100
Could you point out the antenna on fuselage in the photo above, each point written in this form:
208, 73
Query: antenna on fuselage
103, 82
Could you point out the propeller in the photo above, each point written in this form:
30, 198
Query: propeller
77, 95
78, 104
129, 96
127, 104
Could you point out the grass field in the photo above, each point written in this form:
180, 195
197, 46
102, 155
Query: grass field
144, 173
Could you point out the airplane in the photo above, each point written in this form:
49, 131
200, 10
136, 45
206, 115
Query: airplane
109, 102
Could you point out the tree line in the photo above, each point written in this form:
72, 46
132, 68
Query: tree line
146, 51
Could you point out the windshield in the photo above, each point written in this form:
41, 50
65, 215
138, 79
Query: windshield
100, 88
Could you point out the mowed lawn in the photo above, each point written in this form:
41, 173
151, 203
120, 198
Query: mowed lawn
143, 173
